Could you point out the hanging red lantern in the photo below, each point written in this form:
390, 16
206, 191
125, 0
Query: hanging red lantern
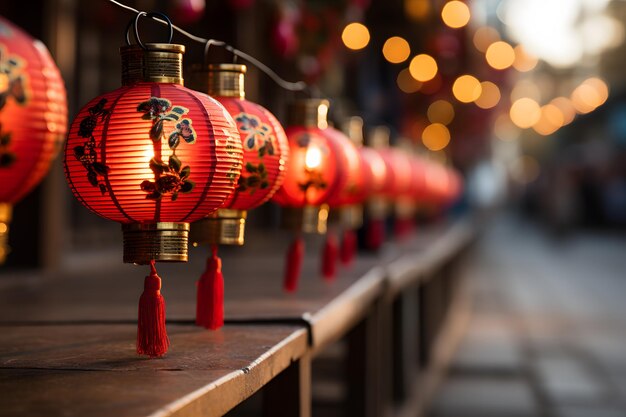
315, 173
265, 157
404, 204
345, 202
347, 205
383, 183
33, 118
154, 156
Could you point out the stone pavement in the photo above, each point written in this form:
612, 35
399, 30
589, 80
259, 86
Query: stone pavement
548, 334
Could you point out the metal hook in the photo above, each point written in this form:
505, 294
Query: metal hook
135, 25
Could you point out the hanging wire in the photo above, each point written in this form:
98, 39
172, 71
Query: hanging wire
297, 86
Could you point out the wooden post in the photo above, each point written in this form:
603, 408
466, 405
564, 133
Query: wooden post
365, 373
289, 393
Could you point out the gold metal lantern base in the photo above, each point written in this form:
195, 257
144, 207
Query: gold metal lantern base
308, 219
378, 208
162, 242
405, 209
224, 227
352, 216
6, 211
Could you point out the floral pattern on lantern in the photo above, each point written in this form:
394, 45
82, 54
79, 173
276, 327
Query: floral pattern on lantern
151, 140
265, 153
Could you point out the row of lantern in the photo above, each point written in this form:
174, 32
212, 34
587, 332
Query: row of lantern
156, 156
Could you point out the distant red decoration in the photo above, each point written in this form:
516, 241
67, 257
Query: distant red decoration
154, 156
188, 11
33, 117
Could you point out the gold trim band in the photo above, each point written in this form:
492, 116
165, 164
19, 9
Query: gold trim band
163, 242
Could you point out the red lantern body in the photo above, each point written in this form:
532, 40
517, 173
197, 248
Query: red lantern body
123, 144
152, 152
399, 167
378, 172
419, 191
316, 170
357, 182
33, 117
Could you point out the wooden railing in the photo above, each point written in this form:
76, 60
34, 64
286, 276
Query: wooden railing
395, 318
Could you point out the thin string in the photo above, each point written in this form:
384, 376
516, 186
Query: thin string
297, 86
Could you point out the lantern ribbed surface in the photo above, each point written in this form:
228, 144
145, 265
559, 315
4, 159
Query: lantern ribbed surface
265, 153
357, 176
116, 169
316, 170
33, 112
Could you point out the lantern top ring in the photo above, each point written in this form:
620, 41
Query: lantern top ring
135, 25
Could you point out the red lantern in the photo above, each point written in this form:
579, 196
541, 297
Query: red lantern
344, 202
383, 185
347, 204
33, 118
402, 196
154, 156
265, 155
314, 175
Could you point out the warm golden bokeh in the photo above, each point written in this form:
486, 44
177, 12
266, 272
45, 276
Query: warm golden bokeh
566, 107
423, 67
485, 36
524, 61
466, 89
440, 111
355, 36
525, 112
489, 96
417, 9
396, 50
455, 14
407, 83
586, 98
436, 137
500, 55
600, 87
550, 120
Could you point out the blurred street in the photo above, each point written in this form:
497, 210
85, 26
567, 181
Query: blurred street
548, 335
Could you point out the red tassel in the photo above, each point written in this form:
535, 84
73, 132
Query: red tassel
210, 294
294, 265
403, 228
375, 234
348, 247
329, 257
152, 337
